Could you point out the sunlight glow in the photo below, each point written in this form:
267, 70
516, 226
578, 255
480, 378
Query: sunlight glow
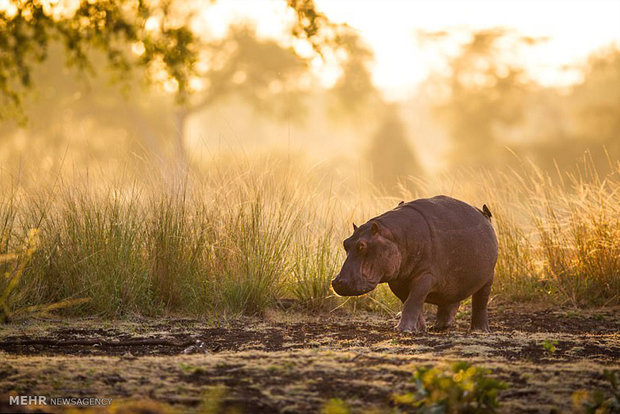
575, 29
138, 48
152, 24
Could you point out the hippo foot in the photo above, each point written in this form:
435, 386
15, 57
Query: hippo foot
480, 327
403, 326
398, 328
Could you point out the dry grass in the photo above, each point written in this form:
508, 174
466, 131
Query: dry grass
560, 237
235, 238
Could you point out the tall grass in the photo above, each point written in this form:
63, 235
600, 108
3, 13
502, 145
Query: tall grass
559, 235
246, 232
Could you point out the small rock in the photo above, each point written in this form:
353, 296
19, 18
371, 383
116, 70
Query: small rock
199, 348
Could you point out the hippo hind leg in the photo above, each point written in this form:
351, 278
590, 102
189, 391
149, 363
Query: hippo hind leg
445, 316
479, 315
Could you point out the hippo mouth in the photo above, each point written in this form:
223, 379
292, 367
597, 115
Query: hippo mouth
345, 289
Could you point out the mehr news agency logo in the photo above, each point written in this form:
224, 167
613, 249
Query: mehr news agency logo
41, 400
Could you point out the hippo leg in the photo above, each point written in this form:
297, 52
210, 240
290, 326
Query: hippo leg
421, 322
445, 315
479, 317
412, 319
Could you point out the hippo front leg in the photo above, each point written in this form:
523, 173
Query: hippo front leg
412, 319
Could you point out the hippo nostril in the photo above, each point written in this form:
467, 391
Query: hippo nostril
337, 284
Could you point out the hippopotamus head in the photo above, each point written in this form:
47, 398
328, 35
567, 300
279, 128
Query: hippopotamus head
372, 257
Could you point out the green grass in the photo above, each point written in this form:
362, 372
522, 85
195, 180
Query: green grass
238, 236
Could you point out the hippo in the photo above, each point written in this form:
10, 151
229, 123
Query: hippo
437, 250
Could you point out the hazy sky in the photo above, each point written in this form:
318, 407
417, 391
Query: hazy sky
575, 28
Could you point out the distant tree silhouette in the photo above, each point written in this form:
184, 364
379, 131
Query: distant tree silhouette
265, 74
589, 120
596, 101
485, 94
153, 41
390, 156
262, 72
354, 91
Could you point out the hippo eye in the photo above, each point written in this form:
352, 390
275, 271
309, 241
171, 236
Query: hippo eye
361, 247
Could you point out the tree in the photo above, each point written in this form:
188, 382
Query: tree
354, 89
153, 38
391, 158
90, 117
596, 100
260, 71
28, 28
586, 125
485, 95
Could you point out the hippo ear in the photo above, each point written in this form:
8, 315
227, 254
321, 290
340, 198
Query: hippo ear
374, 228
354, 227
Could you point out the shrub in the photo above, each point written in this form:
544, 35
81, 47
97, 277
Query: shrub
458, 388
596, 402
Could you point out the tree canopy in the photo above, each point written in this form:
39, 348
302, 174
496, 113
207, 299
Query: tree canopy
485, 94
153, 36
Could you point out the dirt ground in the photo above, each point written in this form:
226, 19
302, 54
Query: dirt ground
291, 363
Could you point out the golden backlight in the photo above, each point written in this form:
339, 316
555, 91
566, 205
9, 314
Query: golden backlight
177, 178
573, 28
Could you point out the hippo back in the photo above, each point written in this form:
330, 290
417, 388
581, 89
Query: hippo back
462, 246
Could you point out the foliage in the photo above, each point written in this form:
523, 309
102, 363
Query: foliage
335, 406
549, 345
253, 269
314, 26
14, 276
459, 388
155, 37
90, 116
29, 27
596, 402
564, 231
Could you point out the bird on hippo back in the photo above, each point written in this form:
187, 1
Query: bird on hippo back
437, 250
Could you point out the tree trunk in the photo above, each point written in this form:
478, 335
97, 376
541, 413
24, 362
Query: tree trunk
181, 117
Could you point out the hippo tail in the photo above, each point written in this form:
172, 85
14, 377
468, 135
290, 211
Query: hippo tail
486, 212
